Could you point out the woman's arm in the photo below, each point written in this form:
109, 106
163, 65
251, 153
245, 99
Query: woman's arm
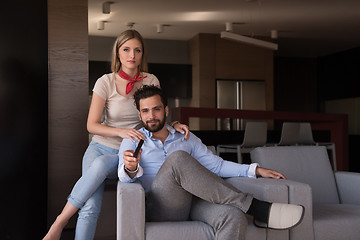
94, 122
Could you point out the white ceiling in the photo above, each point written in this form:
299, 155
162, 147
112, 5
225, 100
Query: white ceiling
305, 27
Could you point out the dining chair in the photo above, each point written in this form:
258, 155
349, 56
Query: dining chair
289, 134
255, 135
306, 138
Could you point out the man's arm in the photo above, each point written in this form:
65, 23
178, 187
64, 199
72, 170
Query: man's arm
225, 168
131, 163
215, 163
127, 160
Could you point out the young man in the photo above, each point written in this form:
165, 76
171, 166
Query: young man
172, 171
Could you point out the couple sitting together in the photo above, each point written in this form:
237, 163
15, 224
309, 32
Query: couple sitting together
173, 165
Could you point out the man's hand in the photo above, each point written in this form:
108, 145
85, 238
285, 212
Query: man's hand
268, 173
130, 162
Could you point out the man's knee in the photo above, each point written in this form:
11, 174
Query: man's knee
178, 158
179, 154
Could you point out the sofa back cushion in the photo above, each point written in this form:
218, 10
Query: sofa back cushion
306, 164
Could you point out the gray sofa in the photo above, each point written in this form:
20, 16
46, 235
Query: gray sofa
332, 209
131, 223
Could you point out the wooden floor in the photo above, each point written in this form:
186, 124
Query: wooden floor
68, 234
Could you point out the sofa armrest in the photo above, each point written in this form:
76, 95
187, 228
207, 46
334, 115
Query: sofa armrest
130, 211
261, 188
348, 187
301, 193
282, 191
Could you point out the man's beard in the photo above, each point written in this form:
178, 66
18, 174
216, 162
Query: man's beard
157, 127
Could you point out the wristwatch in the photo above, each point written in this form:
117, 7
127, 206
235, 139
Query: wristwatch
129, 171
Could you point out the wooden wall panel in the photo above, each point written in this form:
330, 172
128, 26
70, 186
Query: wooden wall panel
207, 70
239, 61
215, 58
68, 98
206, 77
195, 61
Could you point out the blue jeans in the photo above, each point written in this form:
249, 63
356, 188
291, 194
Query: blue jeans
99, 162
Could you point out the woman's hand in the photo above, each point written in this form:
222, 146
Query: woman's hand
182, 128
132, 134
268, 173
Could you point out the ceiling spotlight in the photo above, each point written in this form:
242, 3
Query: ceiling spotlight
229, 26
130, 24
274, 34
106, 7
101, 25
159, 28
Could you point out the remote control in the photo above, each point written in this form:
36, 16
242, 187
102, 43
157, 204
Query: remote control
137, 150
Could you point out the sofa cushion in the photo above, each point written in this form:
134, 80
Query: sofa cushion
179, 230
337, 221
196, 230
306, 164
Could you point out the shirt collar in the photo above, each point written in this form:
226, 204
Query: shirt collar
168, 127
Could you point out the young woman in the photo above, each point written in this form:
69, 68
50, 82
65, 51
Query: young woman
113, 94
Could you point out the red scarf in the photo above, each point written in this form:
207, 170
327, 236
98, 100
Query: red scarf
130, 85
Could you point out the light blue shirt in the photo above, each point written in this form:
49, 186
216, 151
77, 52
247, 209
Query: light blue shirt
154, 153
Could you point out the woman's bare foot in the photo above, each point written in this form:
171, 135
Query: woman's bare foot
55, 230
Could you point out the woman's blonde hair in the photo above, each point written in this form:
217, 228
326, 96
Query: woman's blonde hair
121, 39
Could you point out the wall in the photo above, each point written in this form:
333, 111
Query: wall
100, 48
212, 58
339, 75
68, 99
23, 121
158, 51
295, 84
339, 84
349, 106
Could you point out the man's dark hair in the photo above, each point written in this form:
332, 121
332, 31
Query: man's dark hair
147, 91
